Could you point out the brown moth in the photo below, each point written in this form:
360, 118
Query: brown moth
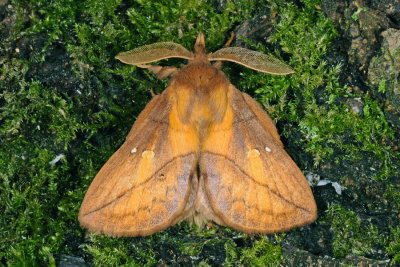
202, 150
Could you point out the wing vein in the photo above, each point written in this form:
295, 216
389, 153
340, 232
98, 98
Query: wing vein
258, 183
141, 184
255, 137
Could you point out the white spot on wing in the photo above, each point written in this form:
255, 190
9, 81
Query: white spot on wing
134, 150
253, 153
268, 149
148, 154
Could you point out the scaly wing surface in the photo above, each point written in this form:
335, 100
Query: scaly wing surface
251, 183
145, 186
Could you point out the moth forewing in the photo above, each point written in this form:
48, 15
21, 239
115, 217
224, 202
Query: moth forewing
251, 188
200, 151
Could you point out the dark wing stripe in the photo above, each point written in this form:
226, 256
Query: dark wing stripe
254, 181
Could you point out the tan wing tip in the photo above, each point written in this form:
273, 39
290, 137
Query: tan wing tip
96, 226
296, 222
289, 69
90, 221
310, 216
121, 57
307, 216
126, 58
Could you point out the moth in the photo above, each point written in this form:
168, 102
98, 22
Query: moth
200, 151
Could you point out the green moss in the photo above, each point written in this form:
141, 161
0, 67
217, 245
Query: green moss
118, 252
86, 117
319, 102
38, 194
305, 36
393, 193
394, 246
350, 235
55, 18
262, 253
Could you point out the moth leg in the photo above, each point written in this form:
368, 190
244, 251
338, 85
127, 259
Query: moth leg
218, 64
161, 71
228, 43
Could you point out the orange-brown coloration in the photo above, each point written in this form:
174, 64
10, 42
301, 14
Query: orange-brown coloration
200, 151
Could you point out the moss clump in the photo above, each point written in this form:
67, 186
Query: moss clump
394, 246
262, 253
351, 236
118, 252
